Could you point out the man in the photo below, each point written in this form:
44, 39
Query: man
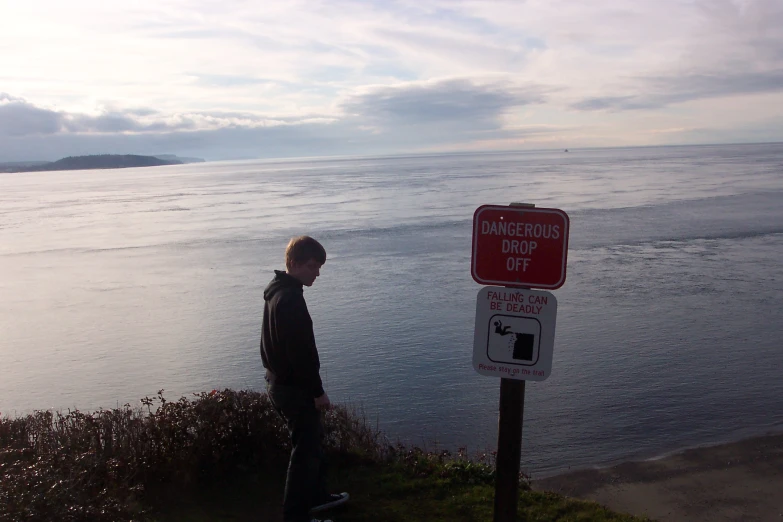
292, 367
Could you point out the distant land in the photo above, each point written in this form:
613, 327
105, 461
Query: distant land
179, 159
101, 161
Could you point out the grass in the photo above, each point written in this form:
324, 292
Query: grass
382, 493
221, 456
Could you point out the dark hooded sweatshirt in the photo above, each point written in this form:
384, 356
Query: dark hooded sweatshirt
287, 341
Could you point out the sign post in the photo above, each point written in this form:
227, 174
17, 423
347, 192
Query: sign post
518, 247
510, 418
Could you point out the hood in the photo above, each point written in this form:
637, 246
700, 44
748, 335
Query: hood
280, 282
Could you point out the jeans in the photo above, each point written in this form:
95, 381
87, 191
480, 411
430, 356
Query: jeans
305, 482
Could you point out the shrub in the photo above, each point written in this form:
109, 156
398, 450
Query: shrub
100, 466
95, 466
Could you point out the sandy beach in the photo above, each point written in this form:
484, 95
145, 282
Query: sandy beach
740, 481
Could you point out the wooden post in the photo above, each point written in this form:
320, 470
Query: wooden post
507, 462
512, 405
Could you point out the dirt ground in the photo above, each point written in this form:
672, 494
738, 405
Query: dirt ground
742, 481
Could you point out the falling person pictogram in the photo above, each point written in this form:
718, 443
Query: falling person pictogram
520, 344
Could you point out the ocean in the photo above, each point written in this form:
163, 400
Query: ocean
117, 284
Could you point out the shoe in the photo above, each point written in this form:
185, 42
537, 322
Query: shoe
333, 500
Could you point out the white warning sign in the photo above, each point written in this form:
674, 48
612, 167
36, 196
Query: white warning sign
515, 333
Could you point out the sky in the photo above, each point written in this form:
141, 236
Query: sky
236, 79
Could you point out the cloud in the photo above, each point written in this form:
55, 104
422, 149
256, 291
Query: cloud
457, 102
28, 131
599, 103
391, 75
213, 144
736, 50
668, 90
406, 116
19, 118
228, 80
446, 113
704, 85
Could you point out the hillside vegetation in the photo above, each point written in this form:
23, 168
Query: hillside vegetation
100, 161
222, 456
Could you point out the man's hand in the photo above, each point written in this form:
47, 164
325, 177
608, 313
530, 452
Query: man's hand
323, 403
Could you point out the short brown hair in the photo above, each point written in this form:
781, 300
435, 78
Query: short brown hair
302, 249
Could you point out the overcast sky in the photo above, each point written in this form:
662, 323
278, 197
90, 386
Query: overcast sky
239, 79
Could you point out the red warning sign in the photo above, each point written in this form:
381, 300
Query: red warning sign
519, 246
